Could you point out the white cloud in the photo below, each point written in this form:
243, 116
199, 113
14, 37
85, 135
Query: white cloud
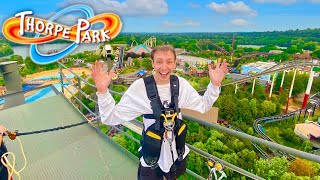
186, 23
276, 1
233, 8
194, 5
126, 8
286, 2
240, 22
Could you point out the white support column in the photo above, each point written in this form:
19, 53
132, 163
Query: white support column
282, 80
307, 94
254, 82
272, 84
292, 83
235, 91
290, 93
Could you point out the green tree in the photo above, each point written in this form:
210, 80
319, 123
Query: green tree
254, 107
30, 64
136, 63
268, 108
310, 46
316, 54
17, 58
147, 64
302, 167
271, 169
283, 97
268, 48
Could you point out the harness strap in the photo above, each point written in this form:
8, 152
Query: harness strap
174, 86
154, 98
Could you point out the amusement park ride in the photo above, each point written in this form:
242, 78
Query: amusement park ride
206, 42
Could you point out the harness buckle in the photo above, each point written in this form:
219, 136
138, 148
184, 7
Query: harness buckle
154, 165
169, 116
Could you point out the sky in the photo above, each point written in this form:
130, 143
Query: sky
183, 15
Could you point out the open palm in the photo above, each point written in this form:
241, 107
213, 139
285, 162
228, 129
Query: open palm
101, 79
218, 74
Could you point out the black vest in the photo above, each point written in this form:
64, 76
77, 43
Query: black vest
152, 137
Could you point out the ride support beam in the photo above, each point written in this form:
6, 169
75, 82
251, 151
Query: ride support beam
290, 93
307, 94
254, 82
272, 84
235, 90
284, 72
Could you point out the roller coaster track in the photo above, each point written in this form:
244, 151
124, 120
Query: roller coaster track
258, 127
280, 67
207, 41
276, 68
261, 151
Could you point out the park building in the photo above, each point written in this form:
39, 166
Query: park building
309, 131
256, 68
141, 48
271, 52
193, 61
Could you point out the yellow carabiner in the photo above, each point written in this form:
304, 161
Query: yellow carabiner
165, 118
174, 116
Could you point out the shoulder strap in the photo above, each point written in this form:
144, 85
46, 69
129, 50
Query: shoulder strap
174, 86
154, 98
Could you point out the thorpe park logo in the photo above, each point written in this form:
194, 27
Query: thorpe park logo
14, 29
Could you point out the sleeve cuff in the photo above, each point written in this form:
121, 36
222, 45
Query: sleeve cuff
102, 95
214, 88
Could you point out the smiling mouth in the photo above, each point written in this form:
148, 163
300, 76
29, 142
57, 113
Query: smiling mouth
163, 73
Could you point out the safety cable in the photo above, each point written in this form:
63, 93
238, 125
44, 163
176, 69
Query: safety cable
11, 166
14, 134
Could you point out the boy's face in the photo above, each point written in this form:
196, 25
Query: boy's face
163, 63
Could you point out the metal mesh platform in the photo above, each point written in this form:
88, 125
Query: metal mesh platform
77, 153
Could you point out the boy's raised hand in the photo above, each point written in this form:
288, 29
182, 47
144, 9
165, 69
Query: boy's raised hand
218, 74
101, 78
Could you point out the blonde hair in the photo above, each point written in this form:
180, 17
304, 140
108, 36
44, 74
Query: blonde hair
163, 48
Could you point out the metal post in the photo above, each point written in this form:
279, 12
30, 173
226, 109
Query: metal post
290, 93
13, 84
299, 114
61, 79
235, 91
80, 95
254, 82
284, 72
314, 108
271, 88
307, 94
96, 107
305, 112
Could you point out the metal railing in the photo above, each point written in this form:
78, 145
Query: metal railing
289, 150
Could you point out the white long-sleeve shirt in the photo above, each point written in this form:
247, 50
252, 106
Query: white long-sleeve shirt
135, 102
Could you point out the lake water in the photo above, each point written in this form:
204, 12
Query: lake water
258, 46
44, 48
40, 94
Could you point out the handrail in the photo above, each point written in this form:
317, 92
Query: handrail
289, 150
231, 132
82, 79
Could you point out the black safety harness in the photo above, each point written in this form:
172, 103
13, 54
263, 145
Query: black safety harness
166, 120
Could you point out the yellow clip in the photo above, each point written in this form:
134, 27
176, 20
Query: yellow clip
210, 163
165, 118
173, 117
218, 166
